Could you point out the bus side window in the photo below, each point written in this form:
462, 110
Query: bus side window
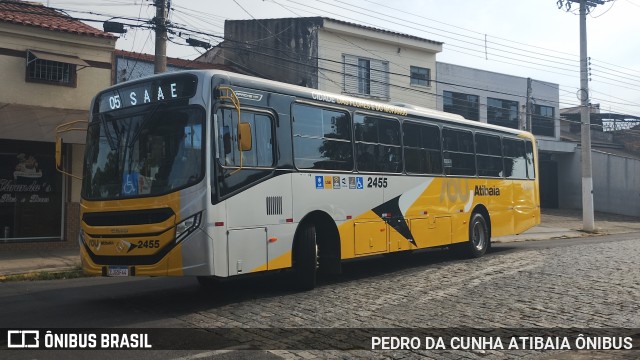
515, 166
377, 144
257, 143
458, 152
321, 138
226, 140
421, 148
531, 171
489, 155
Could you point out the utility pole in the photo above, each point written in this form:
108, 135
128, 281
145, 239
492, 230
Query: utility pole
160, 21
585, 116
529, 112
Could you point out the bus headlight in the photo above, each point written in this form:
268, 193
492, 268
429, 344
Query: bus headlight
187, 226
81, 236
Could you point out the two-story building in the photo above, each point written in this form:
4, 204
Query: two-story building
51, 65
333, 55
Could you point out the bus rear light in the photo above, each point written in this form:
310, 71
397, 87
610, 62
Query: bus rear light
218, 223
289, 220
349, 217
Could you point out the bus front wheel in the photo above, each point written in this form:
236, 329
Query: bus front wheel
306, 257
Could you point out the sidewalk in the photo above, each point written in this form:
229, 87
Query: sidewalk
556, 224
567, 223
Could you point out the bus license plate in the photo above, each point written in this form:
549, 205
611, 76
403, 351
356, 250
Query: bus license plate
118, 271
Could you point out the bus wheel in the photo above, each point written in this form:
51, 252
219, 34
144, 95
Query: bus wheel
479, 239
306, 257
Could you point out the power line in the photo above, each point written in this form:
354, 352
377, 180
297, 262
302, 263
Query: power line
477, 51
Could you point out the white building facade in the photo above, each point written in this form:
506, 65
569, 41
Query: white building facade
499, 99
334, 56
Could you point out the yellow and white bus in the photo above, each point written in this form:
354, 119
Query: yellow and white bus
214, 174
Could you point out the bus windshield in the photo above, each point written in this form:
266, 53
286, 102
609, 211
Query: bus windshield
152, 152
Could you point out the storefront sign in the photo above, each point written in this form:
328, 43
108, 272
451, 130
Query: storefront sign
30, 191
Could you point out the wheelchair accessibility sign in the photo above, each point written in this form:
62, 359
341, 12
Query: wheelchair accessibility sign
130, 183
339, 182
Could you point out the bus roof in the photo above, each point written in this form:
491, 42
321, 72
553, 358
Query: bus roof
392, 109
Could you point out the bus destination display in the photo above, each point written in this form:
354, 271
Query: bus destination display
158, 90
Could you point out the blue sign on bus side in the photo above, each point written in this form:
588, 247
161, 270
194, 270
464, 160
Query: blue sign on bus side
359, 182
319, 182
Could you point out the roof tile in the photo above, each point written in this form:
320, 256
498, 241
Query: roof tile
37, 15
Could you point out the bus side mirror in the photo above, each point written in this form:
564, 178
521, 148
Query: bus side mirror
244, 136
58, 153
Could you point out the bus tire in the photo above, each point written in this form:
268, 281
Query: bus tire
306, 258
479, 238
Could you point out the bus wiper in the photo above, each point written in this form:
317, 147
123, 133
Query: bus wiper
109, 137
144, 122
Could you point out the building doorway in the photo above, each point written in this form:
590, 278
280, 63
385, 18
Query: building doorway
549, 184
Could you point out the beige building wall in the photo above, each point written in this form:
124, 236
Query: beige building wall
90, 80
336, 39
31, 111
44, 106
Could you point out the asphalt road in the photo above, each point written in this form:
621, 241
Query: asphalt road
580, 283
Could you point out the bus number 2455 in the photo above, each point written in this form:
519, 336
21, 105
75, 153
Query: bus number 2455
376, 182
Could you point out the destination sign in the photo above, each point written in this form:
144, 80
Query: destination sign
145, 92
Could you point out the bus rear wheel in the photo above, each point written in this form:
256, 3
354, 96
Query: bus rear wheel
479, 238
305, 260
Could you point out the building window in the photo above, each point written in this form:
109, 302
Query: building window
502, 112
542, 121
366, 77
420, 76
52, 68
465, 105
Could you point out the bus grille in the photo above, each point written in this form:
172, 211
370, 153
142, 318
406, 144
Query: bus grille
274, 205
133, 217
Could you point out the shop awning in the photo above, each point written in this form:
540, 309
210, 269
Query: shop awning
68, 59
35, 123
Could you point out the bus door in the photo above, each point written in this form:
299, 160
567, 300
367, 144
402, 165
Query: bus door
257, 202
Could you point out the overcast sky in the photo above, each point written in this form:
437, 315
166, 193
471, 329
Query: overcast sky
528, 38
